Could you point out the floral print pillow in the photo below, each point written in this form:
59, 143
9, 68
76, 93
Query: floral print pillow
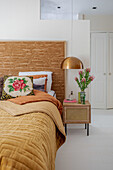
15, 86
1, 85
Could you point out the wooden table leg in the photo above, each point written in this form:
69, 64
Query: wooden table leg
85, 125
87, 129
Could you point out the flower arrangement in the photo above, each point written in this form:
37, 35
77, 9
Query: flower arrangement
85, 79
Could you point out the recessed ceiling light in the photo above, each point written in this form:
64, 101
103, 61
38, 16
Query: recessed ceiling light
94, 7
58, 7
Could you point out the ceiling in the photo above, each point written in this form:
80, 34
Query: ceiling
50, 10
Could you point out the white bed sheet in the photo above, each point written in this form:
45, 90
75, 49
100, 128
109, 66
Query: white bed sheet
52, 93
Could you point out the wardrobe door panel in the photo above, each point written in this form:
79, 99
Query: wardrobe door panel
98, 68
110, 72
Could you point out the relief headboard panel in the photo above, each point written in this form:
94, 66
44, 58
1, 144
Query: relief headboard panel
21, 56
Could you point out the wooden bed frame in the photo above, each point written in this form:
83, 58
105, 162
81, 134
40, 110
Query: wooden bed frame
21, 56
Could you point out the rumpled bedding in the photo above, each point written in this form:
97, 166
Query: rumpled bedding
30, 135
38, 96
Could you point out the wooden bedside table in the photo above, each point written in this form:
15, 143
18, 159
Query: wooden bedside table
77, 113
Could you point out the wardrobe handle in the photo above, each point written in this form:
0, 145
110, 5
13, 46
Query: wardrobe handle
109, 73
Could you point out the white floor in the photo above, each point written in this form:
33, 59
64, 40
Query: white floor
94, 152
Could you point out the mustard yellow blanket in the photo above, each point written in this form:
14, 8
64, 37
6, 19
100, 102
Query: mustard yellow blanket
30, 135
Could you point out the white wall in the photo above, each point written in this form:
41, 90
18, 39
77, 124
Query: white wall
100, 22
20, 20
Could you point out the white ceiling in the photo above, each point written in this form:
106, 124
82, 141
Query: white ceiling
49, 8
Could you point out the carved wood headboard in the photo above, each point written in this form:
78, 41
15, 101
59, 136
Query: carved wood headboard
20, 56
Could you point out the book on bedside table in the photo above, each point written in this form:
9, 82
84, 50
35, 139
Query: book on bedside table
70, 101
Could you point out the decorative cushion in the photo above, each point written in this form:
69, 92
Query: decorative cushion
1, 85
15, 86
48, 73
40, 82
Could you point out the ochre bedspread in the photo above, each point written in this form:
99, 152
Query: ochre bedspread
38, 96
29, 141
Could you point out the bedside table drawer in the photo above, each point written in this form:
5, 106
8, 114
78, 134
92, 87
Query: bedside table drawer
76, 114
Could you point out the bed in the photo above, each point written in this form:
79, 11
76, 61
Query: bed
31, 129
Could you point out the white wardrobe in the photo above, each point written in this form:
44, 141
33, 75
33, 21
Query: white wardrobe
101, 95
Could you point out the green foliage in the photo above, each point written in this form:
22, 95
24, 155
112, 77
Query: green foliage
10, 86
25, 81
24, 89
20, 90
26, 86
11, 89
11, 80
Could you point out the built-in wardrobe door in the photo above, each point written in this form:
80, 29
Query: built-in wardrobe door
98, 68
110, 71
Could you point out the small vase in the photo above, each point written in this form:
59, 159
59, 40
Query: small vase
82, 97
79, 100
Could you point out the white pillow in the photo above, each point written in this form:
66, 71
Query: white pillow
49, 77
39, 81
